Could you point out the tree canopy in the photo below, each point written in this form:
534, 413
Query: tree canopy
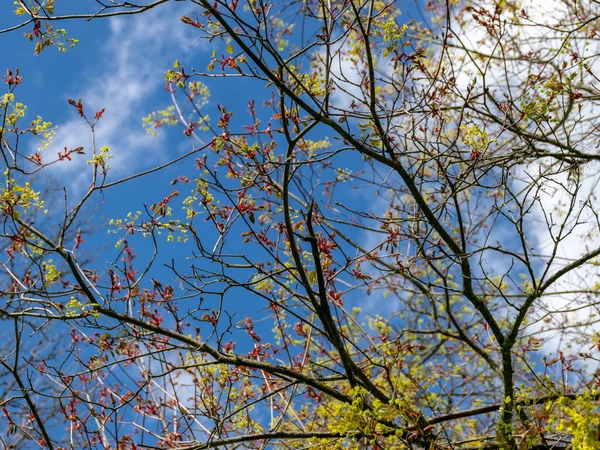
384, 235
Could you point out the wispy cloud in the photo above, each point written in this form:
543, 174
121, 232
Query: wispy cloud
127, 80
561, 224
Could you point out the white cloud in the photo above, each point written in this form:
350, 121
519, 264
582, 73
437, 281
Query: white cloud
137, 52
560, 231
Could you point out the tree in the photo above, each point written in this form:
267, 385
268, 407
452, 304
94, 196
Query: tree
398, 249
